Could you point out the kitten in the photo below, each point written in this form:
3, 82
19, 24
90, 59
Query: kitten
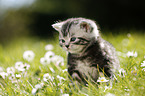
88, 53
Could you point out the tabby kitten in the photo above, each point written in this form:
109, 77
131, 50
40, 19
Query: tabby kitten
88, 53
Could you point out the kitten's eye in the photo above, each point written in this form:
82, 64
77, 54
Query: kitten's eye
63, 41
73, 39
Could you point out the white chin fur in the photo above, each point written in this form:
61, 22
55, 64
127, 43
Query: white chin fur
74, 51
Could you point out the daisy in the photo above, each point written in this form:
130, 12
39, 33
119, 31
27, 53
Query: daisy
34, 90
48, 47
39, 86
47, 77
106, 87
10, 70
19, 66
26, 66
128, 35
18, 76
143, 64
57, 60
44, 60
131, 54
3, 74
122, 72
143, 69
49, 54
28, 55
12, 77
102, 79
60, 78
65, 70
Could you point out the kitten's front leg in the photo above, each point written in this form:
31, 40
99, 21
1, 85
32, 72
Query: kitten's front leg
76, 76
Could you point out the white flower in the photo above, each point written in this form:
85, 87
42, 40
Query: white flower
65, 94
143, 64
42, 84
39, 86
47, 77
122, 72
49, 47
10, 70
12, 77
106, 87
52, 70
49, 54
109, 94
28, 55
26, 66
57, 60
34, 90
65, 70
18, 76
19, 66
102, 79
60, 78
3, 74
131, 54
128, 35
127, 89
143, 69
44, 60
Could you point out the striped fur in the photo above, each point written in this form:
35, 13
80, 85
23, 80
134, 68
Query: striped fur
88, 53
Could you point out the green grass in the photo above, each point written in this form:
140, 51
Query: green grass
132, 84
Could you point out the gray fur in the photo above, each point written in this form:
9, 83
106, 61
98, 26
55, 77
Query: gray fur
88, 54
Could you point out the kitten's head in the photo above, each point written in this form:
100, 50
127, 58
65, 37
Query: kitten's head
76, 34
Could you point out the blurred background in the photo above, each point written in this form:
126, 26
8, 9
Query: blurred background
33, 18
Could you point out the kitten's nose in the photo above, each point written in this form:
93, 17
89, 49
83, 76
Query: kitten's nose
66, 46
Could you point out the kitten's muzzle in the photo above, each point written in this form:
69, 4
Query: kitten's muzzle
66, 46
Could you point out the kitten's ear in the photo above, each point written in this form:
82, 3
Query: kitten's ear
57, 26
86, 26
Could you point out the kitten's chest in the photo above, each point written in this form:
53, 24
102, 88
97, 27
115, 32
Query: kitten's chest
84, 67
81, 63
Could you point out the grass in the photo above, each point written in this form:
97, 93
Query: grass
131, 84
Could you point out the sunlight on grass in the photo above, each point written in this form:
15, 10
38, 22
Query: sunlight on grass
42, 70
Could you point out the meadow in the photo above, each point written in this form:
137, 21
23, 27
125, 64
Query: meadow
31, 66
